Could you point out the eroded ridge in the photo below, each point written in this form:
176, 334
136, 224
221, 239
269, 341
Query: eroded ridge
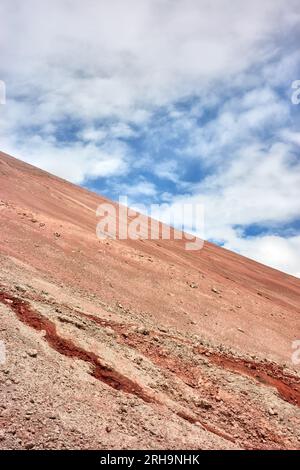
27, 315
287, 386
66, 347
145, 342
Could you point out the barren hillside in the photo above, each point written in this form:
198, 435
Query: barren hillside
135, 344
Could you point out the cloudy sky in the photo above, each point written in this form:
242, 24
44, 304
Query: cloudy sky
166, 101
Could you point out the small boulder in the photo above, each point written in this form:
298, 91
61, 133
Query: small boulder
32, 353
215, 290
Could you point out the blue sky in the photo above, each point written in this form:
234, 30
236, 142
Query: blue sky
164, 101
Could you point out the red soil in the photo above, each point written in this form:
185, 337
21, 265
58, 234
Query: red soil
66, 347
288, 386
213, 370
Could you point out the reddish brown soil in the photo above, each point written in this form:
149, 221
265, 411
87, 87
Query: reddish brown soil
135, 344
287, 386
66, 347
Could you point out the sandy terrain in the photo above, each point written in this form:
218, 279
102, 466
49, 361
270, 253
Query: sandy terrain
135, 344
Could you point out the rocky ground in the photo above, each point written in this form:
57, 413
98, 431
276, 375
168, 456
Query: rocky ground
128, 345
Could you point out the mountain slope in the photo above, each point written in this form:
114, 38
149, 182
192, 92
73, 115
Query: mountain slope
135, 344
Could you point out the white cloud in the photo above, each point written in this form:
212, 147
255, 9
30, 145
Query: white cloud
167, 170
102, 134
112, 67
259, 187
290, 136
75, 161
121, 59
136, 189
277, 252
236, 125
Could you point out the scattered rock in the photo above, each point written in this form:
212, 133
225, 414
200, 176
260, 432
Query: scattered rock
162, 329
143, 331
32, 353
204, 404
272, 412
216, 291
71, 321
138, 360
20, 288
29, 445
109, 331
193, 285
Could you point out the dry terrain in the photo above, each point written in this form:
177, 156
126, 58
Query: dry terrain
120, 344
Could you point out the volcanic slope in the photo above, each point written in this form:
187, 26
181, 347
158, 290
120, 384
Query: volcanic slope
135, 344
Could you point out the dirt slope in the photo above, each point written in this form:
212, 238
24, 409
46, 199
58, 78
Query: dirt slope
135, 344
